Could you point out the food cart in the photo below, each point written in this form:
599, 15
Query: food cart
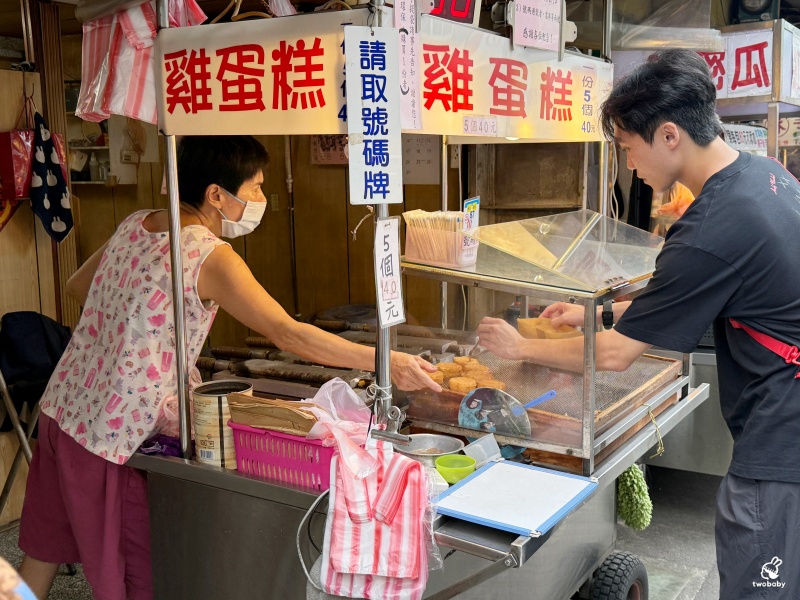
223, 534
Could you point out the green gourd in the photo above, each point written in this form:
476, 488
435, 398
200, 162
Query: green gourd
633, 500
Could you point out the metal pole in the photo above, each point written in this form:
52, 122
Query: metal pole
27, 30
162, 13
608, 12
383, 341
176, 269
585, 194
443, 285
383, 354
773, 122
604, 191
603, 179
589, 366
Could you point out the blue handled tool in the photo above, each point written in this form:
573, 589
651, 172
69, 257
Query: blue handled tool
518, 410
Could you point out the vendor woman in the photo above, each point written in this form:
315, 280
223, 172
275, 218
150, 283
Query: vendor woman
107, 394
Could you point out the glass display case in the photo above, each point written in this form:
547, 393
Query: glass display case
570, 420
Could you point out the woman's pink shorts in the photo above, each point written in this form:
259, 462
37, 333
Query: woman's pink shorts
81, 508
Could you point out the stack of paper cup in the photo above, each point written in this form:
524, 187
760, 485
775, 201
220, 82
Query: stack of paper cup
212, 436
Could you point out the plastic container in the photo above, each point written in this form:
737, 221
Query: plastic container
286, 458
446, 249
213, 439
483, 450
105, 171
454, 467
94, 168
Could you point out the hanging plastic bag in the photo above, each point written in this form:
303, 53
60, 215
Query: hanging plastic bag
168, 422
349, 438
339, 400
118, 66
16, 151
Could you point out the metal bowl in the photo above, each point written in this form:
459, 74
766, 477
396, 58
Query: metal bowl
426, 441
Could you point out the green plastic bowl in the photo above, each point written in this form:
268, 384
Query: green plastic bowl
454, 467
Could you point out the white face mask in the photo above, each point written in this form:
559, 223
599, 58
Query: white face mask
251, 217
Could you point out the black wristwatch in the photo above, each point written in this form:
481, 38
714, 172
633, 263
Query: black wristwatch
608, 315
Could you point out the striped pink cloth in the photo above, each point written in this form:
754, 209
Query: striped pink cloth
374, 542
118, 68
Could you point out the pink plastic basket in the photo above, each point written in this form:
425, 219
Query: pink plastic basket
286, 458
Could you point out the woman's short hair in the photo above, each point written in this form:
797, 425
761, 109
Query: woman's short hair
225, 160
673, 85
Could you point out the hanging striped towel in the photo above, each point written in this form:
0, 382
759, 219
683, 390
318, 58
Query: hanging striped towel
382, 553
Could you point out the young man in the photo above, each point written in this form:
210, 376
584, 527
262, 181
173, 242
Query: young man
733, 255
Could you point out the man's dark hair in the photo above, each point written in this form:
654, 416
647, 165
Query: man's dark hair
225, 160
673, 85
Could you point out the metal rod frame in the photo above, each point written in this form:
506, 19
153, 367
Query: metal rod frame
27, 30
383, 353
443, 284
773, 123
176, 270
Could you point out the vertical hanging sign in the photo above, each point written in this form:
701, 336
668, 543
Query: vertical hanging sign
537, 24
373, 115
405, 18
387, 272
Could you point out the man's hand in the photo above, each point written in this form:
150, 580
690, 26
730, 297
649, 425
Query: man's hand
500, 338
411, 373
563, 313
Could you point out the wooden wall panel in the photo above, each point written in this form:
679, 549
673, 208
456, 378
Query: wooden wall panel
360, 255
71, 56
226, 330
97, 221
20, 255
46, 266
269, 248
65, 253
19, 272
321, 231
8, 448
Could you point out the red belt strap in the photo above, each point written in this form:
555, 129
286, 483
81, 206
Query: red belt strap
791, 354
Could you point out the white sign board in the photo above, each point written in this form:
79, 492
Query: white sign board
287, 77
789, 132
405, 19
387, 272
421, 159
471, 221
746, 138
745, 68
537, 24
749, 64
255, 76
373, 99
476, 83
795, 89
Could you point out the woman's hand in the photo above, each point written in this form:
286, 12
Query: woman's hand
411, 373
500, 338
563, 313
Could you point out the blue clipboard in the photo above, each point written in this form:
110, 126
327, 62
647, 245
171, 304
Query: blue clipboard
517, 498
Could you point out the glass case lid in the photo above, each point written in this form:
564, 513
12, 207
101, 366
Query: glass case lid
579, 250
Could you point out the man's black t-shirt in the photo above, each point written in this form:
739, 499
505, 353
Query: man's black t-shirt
735, 253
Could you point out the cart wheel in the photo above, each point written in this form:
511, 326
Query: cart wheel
622, 576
